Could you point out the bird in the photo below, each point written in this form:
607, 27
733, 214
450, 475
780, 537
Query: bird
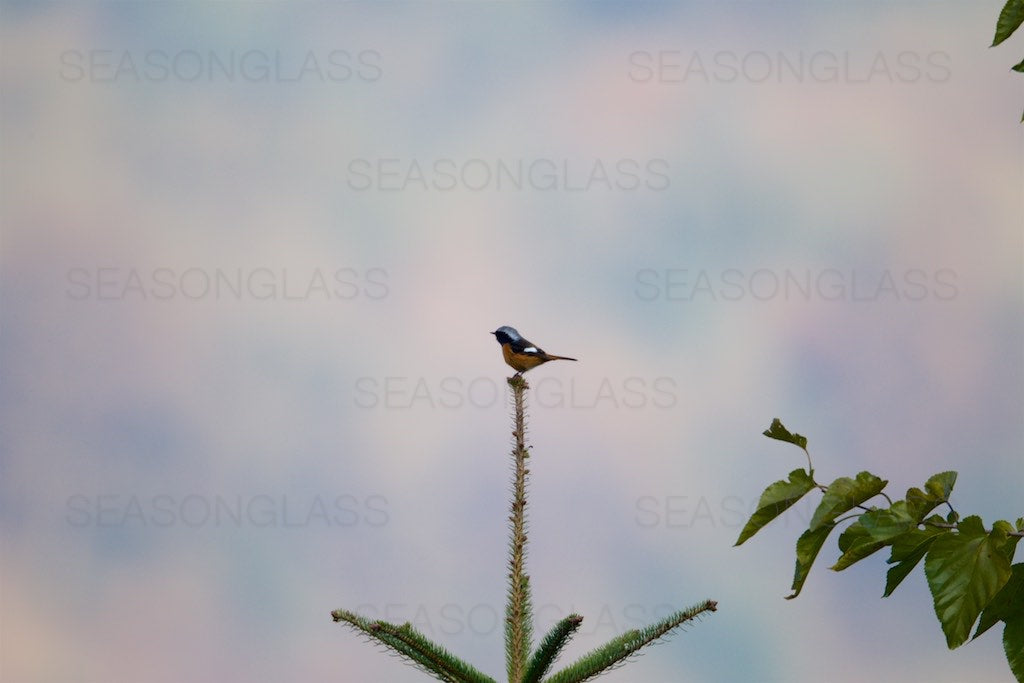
520, 353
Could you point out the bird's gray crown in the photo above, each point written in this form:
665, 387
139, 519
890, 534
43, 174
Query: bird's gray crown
506, 334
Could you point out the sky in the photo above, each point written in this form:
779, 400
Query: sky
251, 255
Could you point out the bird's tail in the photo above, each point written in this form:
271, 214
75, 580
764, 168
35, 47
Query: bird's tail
550, 357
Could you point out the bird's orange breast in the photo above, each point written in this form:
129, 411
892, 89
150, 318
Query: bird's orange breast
521, 362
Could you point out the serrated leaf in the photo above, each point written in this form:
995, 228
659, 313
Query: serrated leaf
1010, 544
843, 494
936, 491
852, 535
775, 500
965, 570
907, 551
884, 524
1009, 19
856, 543
919, 503
1007, 605
1013, 645
807, 548
940, 486
779, 432
906, 546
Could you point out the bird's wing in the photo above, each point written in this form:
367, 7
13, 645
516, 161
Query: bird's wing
526, 346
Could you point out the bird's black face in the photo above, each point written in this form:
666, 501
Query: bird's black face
504, 335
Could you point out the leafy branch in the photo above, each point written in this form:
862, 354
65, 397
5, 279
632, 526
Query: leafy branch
1010, 19
968, 567
522, 667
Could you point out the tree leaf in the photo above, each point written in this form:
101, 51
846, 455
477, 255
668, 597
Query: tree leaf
907, 551
887, 523
940, 486
965, 571
906, 546
845, 493
936, 491
1013, 645
856, 543
1010, 545
779, 432
920, 503
807, 548
775, 500
1007, 605
1009, 19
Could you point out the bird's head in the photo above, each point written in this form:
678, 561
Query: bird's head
506, 334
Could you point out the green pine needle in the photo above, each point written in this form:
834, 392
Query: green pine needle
618, 650
407, 642
550, 648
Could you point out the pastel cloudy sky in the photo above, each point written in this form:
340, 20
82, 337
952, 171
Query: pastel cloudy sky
252, 252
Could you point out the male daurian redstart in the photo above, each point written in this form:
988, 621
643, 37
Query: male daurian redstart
520, 353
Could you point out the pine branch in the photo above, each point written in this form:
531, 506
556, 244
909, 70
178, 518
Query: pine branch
518, 612
550, 648
434, 660
413, 646
618, 650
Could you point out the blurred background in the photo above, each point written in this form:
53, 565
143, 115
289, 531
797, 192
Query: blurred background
252, 252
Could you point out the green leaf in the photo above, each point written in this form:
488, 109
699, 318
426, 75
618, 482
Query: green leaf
885, 524
1019, 67
1013, 645
907, 551
1010, 545
777, 431
940, 486
807, 548
965, 571
906, 546
843, 494
919, 503
1007, 605
936, 491
1009, 19
856, 543
775, 500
